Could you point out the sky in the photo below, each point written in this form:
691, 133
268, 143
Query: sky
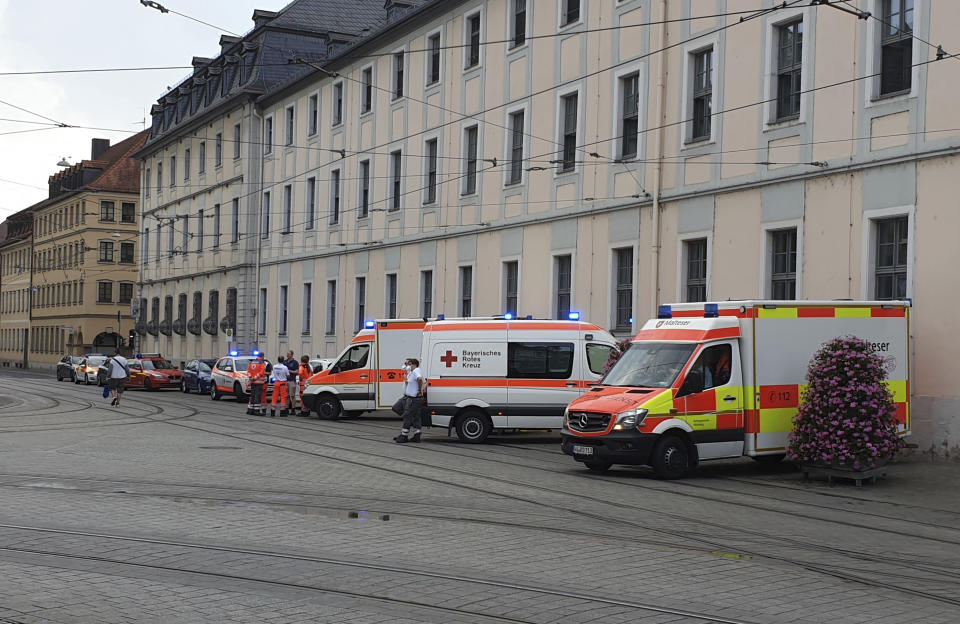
42, 35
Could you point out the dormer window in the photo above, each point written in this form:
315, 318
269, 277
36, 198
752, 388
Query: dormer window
183, 104
213, 85
196, 97
247, 61
168, 114
229, 73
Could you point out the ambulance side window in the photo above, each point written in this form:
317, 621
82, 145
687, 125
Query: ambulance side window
355, 357
529, 360
597, 356
712, 369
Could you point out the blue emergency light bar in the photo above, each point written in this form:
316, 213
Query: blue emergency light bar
234, 353
711, 310
574, 316
369, 324
255, 353
508, 316
441, 317
664, 312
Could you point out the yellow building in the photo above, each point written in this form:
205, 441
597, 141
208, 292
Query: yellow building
83, 254
15, 262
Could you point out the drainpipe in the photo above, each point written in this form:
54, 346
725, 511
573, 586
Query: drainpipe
259, 200
657, 181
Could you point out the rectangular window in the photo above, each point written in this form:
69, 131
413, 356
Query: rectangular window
430, 195
126, 253
199, 230
390, 306
126, 292
563, 278
335, 196
702, 94
146, 183
202, 157
426, 294
396, 166
516, 148
262, 321
511, 283
783, 265
158, 246
307, 303
268, 135
218, 150
313, 114
107, 211
433, 60
466, 291
186, 234
105, 292
890, 280
311, 202
337, 111
170, 238
629, 115
364, 189
128, 212
568, 110
519, 22
106, 251
623, 288
331, 307
571, 12
287, 207
173, 171
265, 217
235, 221
366, 86
145, 257
282, 321
695, 275
896, 46
288, 128
473, 41
186, 164
789, 69
470, 160
361, 293
216, 225
545, 360
236, 141
398, 60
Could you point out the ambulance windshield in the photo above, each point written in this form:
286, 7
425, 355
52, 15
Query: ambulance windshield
649, 365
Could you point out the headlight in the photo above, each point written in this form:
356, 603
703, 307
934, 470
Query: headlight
630, 419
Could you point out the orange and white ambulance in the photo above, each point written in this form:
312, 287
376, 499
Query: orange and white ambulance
718, 380
482, 374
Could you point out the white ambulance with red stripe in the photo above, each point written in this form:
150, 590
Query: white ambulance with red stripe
718, 380
482, 373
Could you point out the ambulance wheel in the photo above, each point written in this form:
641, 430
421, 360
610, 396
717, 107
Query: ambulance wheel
671, 457
214, 393
473, 427
769, 460
238, 394
328, 407
597, 466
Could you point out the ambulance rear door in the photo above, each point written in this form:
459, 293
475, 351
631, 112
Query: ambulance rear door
396, 341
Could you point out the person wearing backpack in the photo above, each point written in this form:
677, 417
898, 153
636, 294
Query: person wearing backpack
118, 377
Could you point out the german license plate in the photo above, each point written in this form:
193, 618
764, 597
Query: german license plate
579, 449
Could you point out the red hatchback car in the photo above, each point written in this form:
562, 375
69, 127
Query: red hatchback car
152, 372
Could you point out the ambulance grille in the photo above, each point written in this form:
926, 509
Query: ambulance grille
588, 421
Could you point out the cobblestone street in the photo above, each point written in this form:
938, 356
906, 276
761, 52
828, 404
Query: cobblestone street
176, 508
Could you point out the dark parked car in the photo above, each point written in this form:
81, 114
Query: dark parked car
66, 367
196, 376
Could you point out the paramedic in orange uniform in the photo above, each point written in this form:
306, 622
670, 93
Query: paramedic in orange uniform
303, 374
280, 374
258, 379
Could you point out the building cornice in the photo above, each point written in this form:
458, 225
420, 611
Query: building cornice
207, 189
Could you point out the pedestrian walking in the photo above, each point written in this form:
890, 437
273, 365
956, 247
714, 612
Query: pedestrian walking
413, 391
258, 381
303, 374
293, 367
280, 374
117, 378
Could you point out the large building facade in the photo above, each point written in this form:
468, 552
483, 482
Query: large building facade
16, 261
481, 157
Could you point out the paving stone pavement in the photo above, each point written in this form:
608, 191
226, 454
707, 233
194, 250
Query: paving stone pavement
175, 508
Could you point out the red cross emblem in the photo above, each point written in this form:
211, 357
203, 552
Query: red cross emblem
448, 359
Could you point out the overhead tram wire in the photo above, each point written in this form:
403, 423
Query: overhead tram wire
25, 110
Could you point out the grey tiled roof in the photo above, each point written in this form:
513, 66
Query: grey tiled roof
346, 16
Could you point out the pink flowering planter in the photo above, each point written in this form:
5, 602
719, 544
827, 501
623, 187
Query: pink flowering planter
846, 426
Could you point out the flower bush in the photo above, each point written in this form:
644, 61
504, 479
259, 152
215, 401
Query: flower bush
847, 418
615, 353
